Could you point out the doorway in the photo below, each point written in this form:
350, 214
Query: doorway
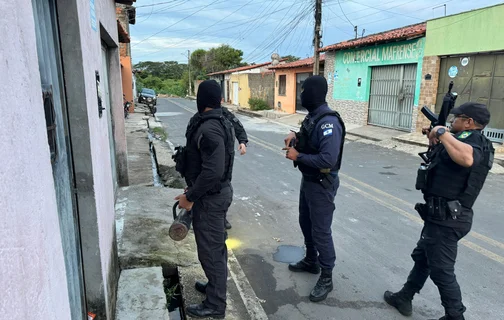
236, 91
300, 79
56, 116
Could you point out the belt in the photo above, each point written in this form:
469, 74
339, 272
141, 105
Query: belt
319, 176
217, 189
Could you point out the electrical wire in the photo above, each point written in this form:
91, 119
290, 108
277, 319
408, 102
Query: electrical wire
344, 13
192, 14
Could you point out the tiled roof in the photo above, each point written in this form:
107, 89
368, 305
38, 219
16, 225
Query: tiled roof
240, 69
402, 33
298, 64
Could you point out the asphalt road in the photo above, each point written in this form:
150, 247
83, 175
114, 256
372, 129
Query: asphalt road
375, 228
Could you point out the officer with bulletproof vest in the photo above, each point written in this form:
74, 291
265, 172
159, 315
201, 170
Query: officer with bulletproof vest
317, 151
207, 163
240, 134
451, 182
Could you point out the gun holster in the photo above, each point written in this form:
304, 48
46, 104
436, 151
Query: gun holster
326, 180
437, 208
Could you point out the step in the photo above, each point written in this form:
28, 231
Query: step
140, 295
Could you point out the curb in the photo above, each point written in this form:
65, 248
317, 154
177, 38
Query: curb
419, 144
249, 113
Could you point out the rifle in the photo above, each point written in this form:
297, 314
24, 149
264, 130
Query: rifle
448, 104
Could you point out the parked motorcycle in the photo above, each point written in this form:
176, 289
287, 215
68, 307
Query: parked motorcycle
152, 108
126, 106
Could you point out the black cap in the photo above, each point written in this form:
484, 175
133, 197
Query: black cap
477, 111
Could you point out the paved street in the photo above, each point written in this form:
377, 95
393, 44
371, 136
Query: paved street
375, 229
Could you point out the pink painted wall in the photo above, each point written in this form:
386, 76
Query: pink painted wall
33, 280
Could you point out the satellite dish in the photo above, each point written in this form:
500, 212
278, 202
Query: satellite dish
275, 59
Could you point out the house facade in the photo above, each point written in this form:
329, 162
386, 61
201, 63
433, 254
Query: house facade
289, 79
240, 84
64, 153
460, 48
126, 15
376, 79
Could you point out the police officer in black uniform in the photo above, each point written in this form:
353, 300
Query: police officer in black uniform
208, 165
240, 134
459, 166
317, 151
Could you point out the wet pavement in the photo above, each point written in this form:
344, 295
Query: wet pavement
375, 228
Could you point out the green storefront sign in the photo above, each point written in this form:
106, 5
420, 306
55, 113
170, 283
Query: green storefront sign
352, 70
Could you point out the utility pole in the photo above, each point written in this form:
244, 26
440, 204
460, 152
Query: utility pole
356, 31
316, 39
189, 66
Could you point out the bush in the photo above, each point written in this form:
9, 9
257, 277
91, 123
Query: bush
258, 104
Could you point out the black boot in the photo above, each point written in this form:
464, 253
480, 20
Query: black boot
228, 225
305, 265
201, 286
401, 300
323, 287
201, 311
450, 318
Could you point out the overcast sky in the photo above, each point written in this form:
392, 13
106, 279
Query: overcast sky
165, 32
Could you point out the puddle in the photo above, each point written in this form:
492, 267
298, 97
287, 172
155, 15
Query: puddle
288, 254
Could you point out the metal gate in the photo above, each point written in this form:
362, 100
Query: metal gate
55, 108
392, 96
478, 78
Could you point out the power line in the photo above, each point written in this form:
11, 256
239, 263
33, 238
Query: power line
192, 14
383, 10
205, 28
156, 4
344, 13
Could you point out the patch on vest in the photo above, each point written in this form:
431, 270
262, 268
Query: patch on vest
464, 135
328, 132
326, 126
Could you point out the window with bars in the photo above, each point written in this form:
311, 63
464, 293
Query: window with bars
50, 116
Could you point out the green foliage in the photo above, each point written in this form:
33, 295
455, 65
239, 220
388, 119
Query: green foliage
290, 58
258, 104
168, 86
222, 58
163, 70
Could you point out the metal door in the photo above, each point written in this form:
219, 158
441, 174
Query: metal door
105, 89
300, 79
235, 93
392, 96
51, 76
478, 78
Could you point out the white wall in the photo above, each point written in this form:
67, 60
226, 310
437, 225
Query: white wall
98, 127
33, 282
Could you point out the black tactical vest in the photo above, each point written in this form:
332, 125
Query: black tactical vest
455, 182
304, 144
185, 154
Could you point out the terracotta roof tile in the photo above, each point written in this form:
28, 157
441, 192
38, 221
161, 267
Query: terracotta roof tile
298, 64
402, 33
259, 65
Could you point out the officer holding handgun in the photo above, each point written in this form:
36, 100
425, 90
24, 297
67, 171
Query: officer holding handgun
317, 150
450, 183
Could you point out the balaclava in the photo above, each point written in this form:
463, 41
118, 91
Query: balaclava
209, 95
314, 92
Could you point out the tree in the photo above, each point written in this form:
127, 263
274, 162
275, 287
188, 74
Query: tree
164, 70
290, 58
222, 58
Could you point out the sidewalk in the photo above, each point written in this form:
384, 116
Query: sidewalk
156, 271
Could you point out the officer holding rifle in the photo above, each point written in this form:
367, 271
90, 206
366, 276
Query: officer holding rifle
450, 182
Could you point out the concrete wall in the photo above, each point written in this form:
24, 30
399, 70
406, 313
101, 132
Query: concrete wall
288, 100
81, 51
262, 86
33, 278
428, 89
469, 32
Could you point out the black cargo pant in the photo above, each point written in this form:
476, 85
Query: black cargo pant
208, 220
316, 209
435, 256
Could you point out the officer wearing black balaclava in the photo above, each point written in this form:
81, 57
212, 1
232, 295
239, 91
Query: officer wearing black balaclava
209, 155
317, 150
